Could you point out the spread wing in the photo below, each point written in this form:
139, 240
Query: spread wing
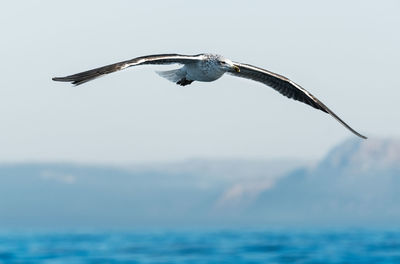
287, 88
89, 75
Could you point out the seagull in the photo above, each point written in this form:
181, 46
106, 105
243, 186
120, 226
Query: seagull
207, 68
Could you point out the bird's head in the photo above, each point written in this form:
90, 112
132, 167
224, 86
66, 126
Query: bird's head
228, 65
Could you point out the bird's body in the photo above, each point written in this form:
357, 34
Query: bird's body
208, 68
209, 71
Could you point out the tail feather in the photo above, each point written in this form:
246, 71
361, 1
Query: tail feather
172, 75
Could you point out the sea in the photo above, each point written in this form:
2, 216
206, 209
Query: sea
201, 246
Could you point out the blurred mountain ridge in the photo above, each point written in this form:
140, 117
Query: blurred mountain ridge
356, 183
363, 155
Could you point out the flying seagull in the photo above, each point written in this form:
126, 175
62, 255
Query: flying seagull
208, 68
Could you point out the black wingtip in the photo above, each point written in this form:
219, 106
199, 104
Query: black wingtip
363, 137
77, 79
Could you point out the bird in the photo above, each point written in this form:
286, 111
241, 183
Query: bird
207, 67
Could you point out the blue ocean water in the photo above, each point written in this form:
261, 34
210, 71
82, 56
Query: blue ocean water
216, 246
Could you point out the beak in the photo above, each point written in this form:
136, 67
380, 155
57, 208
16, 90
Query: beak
236, 68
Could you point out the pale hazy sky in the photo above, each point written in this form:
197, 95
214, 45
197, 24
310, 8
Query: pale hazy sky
344, 52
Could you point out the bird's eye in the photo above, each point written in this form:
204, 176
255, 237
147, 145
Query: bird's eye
223, 62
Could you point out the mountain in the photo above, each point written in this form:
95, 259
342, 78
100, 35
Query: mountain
357, 183
71, 195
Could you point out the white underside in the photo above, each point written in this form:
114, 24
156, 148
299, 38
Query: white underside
192, 72
173, 75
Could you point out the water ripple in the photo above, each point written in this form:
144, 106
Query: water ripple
233, 246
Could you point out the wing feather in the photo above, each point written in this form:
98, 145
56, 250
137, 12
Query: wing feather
287, 88
89, 75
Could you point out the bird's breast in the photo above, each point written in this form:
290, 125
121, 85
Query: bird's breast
202, 73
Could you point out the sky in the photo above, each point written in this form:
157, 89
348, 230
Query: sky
344, 52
